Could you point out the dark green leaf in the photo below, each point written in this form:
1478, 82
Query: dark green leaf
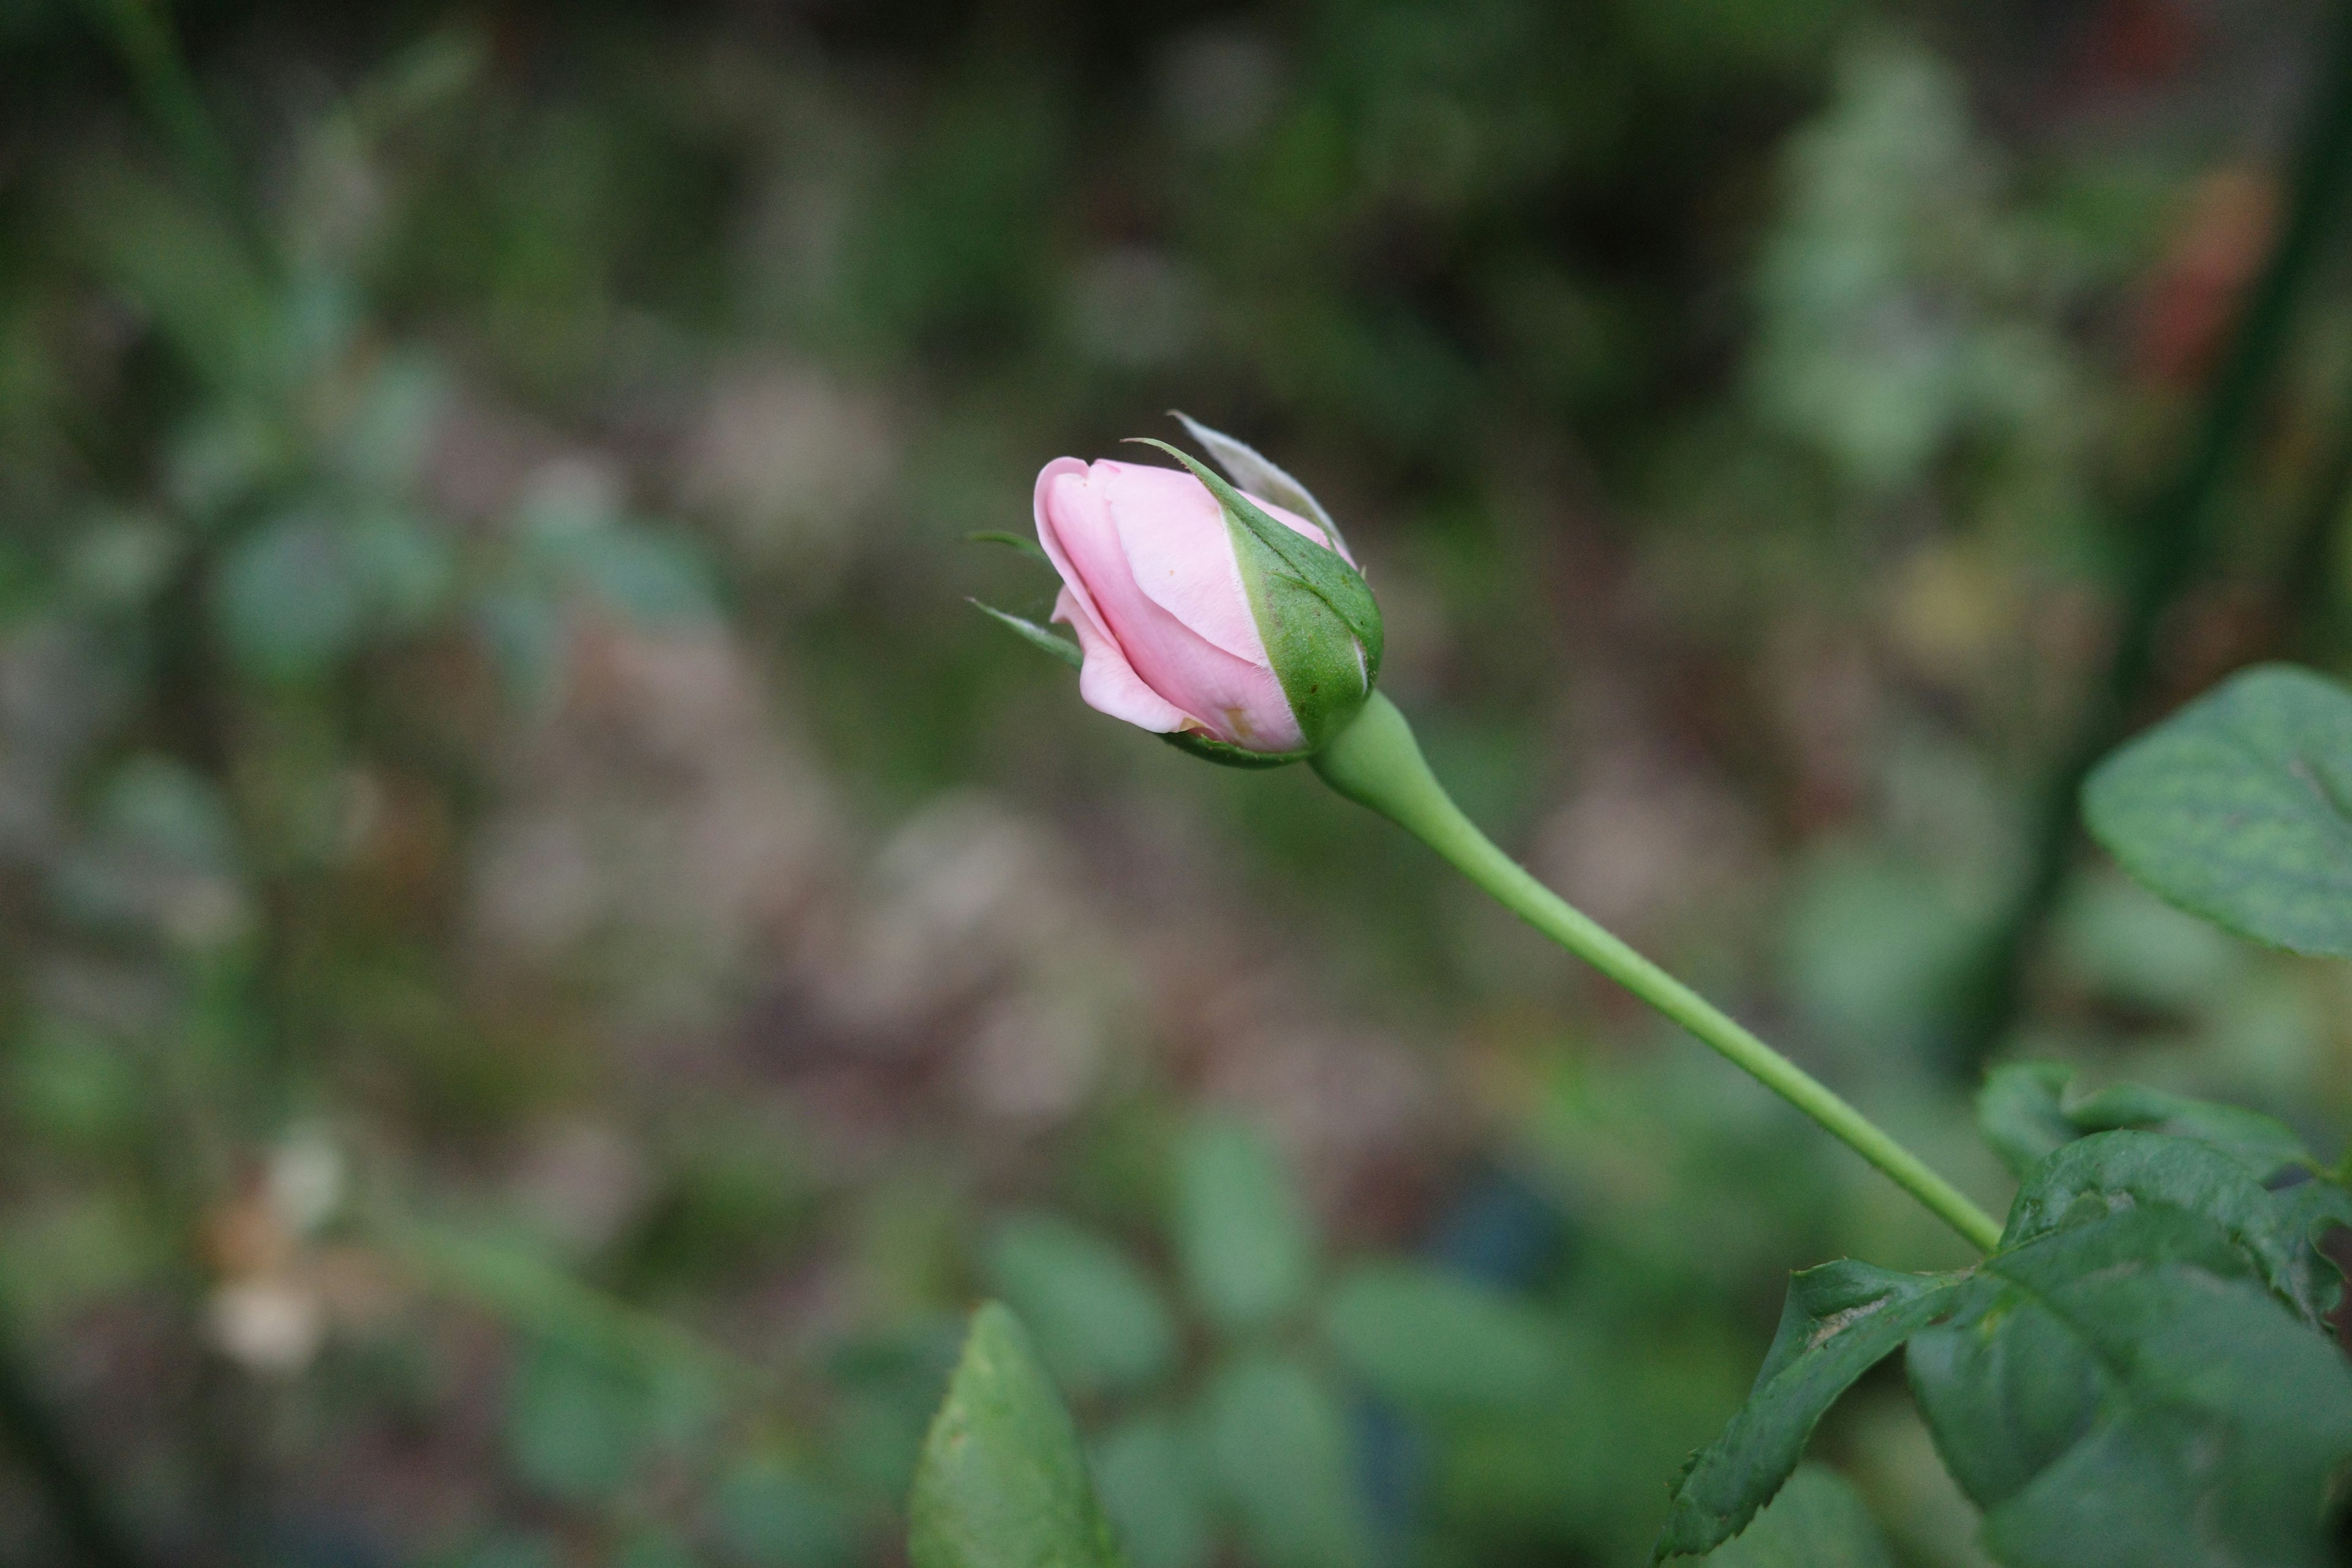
2135, 1377
1283, 1461
1240, 1229
1435, 1340
2112, 1171
1819, 1520
1036, 635
2239, 808
1095, 1317
1003, 1483
2121, 1393
1840, 1320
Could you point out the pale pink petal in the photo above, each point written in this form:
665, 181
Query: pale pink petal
1181, 550
1108, 683
1231, 698
1046, 537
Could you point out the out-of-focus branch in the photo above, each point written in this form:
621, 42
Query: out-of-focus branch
28, 1430
2306, 590
148, 46
2171, 540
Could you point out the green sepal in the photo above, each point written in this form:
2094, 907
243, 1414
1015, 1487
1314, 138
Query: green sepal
1250, 468
1321, 625
1030, 632
1228, 754
1020, 542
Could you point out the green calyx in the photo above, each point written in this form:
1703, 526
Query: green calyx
1316, 613
1230, 755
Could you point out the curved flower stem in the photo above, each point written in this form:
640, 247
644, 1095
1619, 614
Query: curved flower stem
1377, 762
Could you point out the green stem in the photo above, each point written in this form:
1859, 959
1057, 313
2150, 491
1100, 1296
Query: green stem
1377, 762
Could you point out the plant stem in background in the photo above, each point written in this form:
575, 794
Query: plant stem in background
2308, 591
27, 1428
1377, 762
142, 34
2171, 543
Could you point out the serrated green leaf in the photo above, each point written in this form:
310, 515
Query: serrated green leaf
1435, 1341
1253, 472
2122, 1391
1003, 1482
1840, 1320
1036, 635
1093, 1314
1819, 1520
2239, 808
1241, 1229
1153, 1487
1278, 1440
2134, 1376
2111, 1170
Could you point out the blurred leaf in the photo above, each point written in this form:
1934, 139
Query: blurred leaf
1095, 1317
651, 578
1003, 1482
768, 1511
510, 1548
577, 1426
1241, 1229
405, 567
1150, 1476
1280, 1443
74, 1084
288, 600
1819, 1520
655, 1547
2019, 1114
1432, 1340
525, 634
2239, 808
1874, 951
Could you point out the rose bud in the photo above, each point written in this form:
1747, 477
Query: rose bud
1227, 622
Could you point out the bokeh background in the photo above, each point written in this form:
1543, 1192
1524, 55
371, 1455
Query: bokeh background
547, 956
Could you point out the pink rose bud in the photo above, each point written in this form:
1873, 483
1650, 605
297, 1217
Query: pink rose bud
1226, 621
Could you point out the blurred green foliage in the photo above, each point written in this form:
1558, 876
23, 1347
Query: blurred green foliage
546, 956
